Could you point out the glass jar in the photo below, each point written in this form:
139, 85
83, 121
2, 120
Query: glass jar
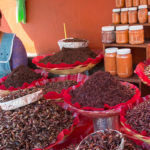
132, 15
136, 34
149, 17
120, 3
148, 2
124, 63
124, 15
108, 34
129, 3
143, 2
136, 3
116, 16
143, 14
110, 60
122, 34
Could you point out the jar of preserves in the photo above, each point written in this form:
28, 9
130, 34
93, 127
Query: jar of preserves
116, 16
136, 3
124, 63
122, 34
143, 14
143, 2
136, 34
149, 17
148, 2
124, 15
110, 60
120, 3
129, 3
132, 15
108, 34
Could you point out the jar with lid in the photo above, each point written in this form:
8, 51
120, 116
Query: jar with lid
149, 17
129, 3
148, 2
108, 34
120, 3
124, 63
136, 3
143, 2
143, 14
132, 15
122, 34
136, 34
124, 15
110, 60
116, 16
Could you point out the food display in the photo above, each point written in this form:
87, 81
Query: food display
33, 126
136, 3
136, 34
128, 3
124, 15
101, 88
116, 16
110, 60
120, 3
106, 140
124, 63
108, 34
19, 76
147, 71
122, 34
143, 14
138, 117
133, 15
148, 2
69, 56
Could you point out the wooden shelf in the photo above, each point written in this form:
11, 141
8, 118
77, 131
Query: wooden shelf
128, 45
145, 24
133, 79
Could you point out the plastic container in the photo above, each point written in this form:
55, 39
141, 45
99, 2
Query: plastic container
122, 34
133, 15
120, 3
129, 3
116, 16
124, 63
108, 34
149, 17
136, 3
143, 2
110, 60
143, 14
124, 15
136, 34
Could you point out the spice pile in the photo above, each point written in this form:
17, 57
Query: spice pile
130, 145
33, 126
19, 93
139, 117
109, 140
74, 40
147, 71
19, 76
57, 86
71, 147
101, 88
69, 56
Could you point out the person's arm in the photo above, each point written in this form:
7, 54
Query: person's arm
19, 55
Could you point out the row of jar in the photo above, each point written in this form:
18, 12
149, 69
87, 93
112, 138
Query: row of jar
131, 3
131, 15
123, 34
118, 62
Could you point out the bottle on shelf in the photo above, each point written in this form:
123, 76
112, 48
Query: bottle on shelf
124, 63
143, 14
133, 15
128, 3
124, 15
120, 3
143, 2
116, 16
136, 3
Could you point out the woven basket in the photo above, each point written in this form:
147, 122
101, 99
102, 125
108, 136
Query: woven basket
66, 71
